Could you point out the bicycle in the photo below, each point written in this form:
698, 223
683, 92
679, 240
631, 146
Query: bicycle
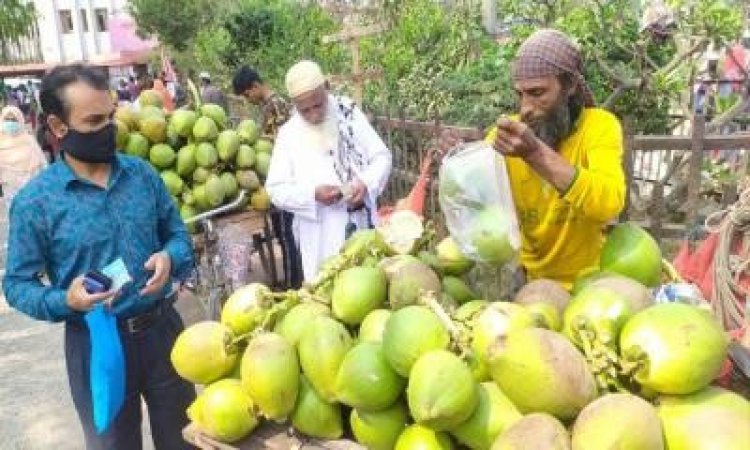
211, 287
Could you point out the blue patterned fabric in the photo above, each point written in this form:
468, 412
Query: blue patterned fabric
65, 226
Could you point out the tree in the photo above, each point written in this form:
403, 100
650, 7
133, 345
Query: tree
17, 19
173, 22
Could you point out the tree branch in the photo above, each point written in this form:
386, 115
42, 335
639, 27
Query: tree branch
681, 57
728, 115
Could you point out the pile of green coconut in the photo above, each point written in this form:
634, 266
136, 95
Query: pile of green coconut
203, 161
390, 346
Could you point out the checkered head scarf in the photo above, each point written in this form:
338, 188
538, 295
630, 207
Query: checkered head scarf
551, 52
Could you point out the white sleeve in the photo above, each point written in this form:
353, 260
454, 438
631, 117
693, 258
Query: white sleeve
379, 159
282, 184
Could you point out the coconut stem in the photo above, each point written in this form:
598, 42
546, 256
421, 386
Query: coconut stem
602, 360
460, 344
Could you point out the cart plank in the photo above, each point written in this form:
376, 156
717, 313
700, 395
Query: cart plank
267, 437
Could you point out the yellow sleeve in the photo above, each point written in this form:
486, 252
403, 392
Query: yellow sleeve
598, 190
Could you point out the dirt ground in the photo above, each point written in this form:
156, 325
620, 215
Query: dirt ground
36, 411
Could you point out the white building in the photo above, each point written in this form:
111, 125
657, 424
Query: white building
99, 32
79, 30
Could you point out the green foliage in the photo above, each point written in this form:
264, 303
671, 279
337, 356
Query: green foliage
175, 22
17, 19
270, 36
438, 62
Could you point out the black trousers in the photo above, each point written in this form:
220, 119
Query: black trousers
281, 221
149, 374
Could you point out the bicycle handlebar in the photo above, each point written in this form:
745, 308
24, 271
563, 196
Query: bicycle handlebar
220, 210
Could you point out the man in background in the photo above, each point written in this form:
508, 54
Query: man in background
210, 93
275, 111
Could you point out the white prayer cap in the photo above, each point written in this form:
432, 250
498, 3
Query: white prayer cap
304, 77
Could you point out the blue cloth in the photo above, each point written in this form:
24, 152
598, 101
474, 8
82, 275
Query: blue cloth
65, 226
107, 367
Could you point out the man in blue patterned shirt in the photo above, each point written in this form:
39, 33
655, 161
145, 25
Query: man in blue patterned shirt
85, 211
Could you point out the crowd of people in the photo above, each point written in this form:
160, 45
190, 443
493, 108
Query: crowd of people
95, 205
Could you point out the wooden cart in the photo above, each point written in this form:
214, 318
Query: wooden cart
267, 437
256, 225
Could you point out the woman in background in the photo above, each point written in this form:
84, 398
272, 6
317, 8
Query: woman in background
20, 160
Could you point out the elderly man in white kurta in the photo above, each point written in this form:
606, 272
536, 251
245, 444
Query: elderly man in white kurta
328, 167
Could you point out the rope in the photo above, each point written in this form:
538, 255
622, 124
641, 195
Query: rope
730, 223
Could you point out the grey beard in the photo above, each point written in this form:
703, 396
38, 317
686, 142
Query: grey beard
555, 127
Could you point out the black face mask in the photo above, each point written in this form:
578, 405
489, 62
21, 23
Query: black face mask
95, 147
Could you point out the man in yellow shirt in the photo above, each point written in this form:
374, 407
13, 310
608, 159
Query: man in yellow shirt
564, 159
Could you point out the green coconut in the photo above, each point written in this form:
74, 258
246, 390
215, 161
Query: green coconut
599, 308
545, 316
363, 240
674, 348
154, 128
203, 352
537, 431
468, 312
639, 296
294, 322
315, 417
490, 236
409, 333
373, 326
358, 291
224, 411
418, 437
123, 132
245, 157
186, 161
137, 145
541, 371
227, 145
231, 188
149, 97
183, 121
128, 116
630, 251
216, 113
322, 348
263, 146
496, 321
712, 418
245, 308
200, 175
442, 392
249, 131
543, 291
206, 155
270, 373
450, 259
379, 430
458, 289
409, 281
205, 129
173, 182
430, 259
493, 415
618, 421
366, 381
262, 163
247, 179
587, 277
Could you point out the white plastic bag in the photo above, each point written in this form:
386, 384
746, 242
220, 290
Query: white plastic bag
477, 203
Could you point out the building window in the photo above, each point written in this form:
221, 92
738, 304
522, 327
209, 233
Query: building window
84, 21
66, 21
102, 21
